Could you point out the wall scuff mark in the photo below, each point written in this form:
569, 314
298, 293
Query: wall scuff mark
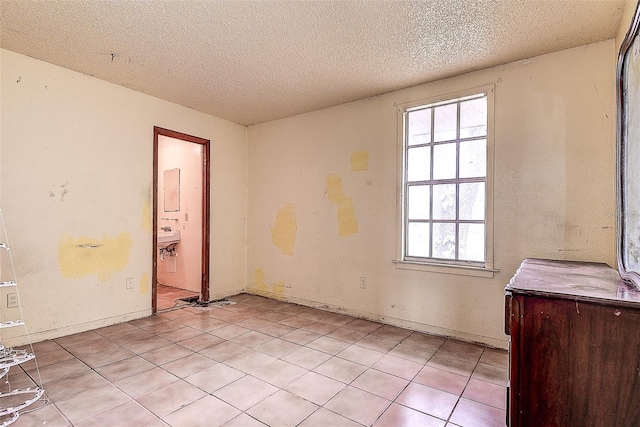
84, 256
285, 229
360, 161
347, 222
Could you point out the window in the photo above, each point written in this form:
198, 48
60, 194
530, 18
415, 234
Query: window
446, 181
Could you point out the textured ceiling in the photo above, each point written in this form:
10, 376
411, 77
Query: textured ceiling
255, 61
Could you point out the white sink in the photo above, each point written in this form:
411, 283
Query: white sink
166, 238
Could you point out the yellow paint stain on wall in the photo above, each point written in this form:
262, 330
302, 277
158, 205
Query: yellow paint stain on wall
278, 289
85, 255
285, 228
334, 188
144, 284
360, 161
347, 222
258, 278
147, 216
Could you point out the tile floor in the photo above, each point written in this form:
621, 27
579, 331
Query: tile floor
263, 362
170, 297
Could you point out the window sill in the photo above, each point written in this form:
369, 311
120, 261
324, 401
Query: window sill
461, 270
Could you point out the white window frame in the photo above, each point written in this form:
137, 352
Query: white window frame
485, 269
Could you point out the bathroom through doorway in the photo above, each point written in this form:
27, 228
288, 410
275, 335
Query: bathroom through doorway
180, 219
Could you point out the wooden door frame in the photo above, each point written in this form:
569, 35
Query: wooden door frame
205, 143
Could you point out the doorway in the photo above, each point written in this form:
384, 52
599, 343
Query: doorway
180, 214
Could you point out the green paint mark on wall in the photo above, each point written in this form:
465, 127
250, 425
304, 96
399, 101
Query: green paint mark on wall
285, 228
360, 161
85, 255
346, 215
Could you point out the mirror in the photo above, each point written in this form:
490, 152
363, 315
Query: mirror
629, 155
172, 190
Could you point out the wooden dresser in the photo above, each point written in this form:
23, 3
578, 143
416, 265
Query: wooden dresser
574, 347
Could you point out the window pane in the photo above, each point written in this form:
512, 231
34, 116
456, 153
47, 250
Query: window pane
419, 123
444, 161
444, 201
473, 159
418, 239
473, 118
472, 201
445, 121
419, 201
471, 242
444, 241
418, 163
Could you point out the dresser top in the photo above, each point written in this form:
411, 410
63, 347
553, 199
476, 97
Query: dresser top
569, 279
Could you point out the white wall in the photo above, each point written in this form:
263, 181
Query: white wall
76, 179
554, 195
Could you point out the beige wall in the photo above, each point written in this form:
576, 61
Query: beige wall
76, 183
625, 22
554, 195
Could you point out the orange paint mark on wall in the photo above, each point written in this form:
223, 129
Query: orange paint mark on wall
346, 215
360, 161
285, 229
84, 256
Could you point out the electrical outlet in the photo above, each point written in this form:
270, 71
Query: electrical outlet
129, 282
363, 282
12, 300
